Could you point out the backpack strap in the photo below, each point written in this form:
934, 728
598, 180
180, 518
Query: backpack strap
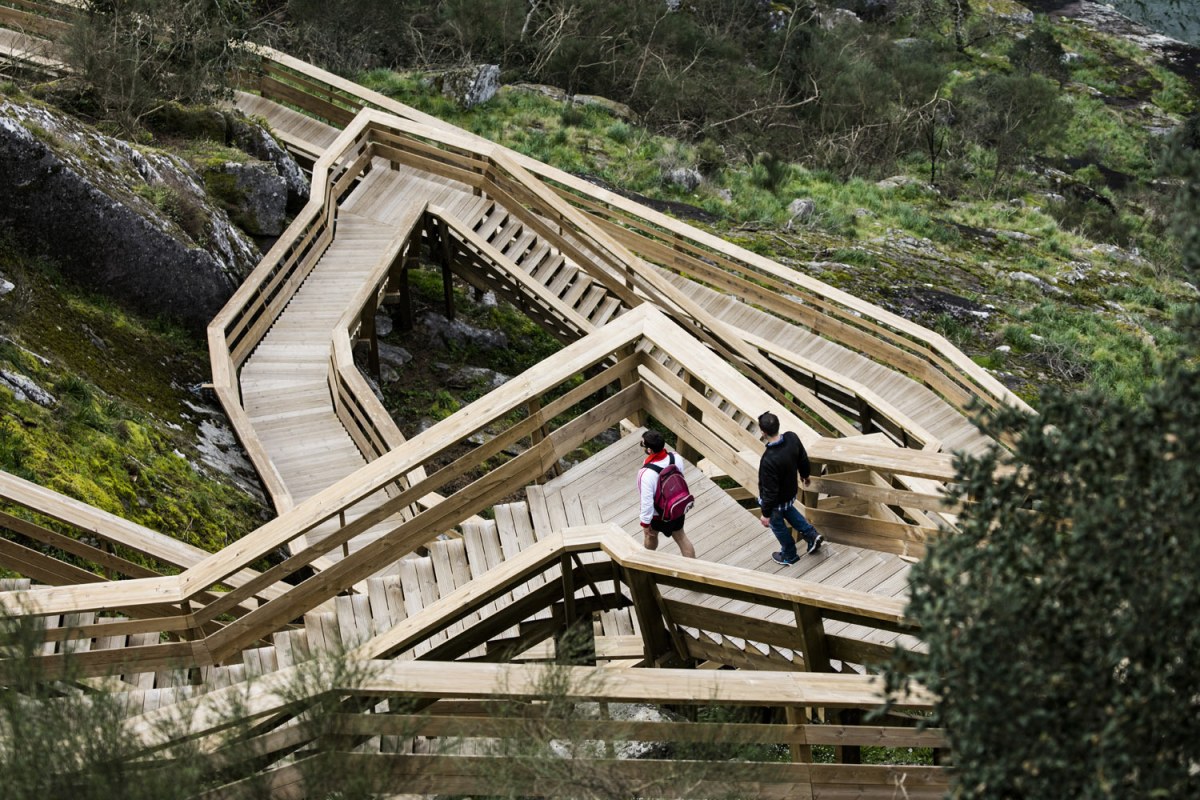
657, 468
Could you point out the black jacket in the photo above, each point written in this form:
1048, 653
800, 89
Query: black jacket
777, 471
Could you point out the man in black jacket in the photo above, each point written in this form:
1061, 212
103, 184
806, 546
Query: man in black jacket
784, 459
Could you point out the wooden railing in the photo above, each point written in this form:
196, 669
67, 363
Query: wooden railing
59, 532
601, 380
677, 629
482, 723
51, 20
878, 334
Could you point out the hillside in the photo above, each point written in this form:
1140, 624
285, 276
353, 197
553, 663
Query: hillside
449, 365
1057, 270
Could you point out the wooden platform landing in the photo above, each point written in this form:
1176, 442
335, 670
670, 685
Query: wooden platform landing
602, 489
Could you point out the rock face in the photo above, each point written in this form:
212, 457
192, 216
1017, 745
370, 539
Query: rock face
253, 194
472, 85
256, 141
136, 226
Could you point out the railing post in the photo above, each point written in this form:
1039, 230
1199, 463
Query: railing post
813, 646
638, 418
447, 270
684, 449
368, 322
663, 646
866, 416
539, 434
801, 751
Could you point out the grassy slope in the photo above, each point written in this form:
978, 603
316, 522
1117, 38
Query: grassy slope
1107, 283
122, 435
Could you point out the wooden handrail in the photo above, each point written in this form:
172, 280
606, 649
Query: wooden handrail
947, 369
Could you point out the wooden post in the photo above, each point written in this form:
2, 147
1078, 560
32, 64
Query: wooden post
656, 640
406, 313
568, 589
847, 753
532, 407
638, 418
865, 417
684, 449
447, 271
801, 751
368, 322
813, 645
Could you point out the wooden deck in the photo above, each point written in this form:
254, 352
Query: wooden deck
569, 554
285, 383
956, 431
602, 490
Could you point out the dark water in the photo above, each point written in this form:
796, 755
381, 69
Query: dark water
1179, 20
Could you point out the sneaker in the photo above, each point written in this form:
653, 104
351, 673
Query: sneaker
815, 544
779, 559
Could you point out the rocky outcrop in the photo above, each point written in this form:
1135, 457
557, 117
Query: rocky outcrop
471, 86
257, 141
253, 194
134, 225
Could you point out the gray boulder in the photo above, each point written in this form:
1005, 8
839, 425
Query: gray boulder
23, 388
685, 178
125, 223
392, 355
471, 86
457, 332
800, 210
255, 140
618, 110
837, 18
253, 194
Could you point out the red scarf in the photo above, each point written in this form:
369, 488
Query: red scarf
660, 455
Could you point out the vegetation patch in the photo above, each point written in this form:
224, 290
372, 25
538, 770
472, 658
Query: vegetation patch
121, 433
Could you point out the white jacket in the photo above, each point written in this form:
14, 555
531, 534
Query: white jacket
647, 481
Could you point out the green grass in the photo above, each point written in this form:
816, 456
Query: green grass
855, 220
112, 437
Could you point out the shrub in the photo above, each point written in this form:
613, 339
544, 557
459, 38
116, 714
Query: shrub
1077, 562
136, 55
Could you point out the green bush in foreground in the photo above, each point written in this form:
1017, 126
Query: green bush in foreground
1061, 620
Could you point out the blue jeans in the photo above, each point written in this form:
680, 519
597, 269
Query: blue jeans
780, 518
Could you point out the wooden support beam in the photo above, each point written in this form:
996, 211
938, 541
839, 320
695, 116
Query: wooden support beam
812, 638
643, 590
447, 259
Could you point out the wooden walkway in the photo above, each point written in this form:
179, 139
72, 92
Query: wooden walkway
906, 394
602, 490
285, 383
23, 49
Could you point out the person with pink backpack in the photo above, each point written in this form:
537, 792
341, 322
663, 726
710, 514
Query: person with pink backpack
665, 497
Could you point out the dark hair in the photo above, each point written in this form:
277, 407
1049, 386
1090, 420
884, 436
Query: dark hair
768, 423
654, 440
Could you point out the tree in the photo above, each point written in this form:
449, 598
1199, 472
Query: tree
1010, 116
1040, 53
1061, 620
134, 56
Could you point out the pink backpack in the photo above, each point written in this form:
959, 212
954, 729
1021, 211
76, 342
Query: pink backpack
672, 498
